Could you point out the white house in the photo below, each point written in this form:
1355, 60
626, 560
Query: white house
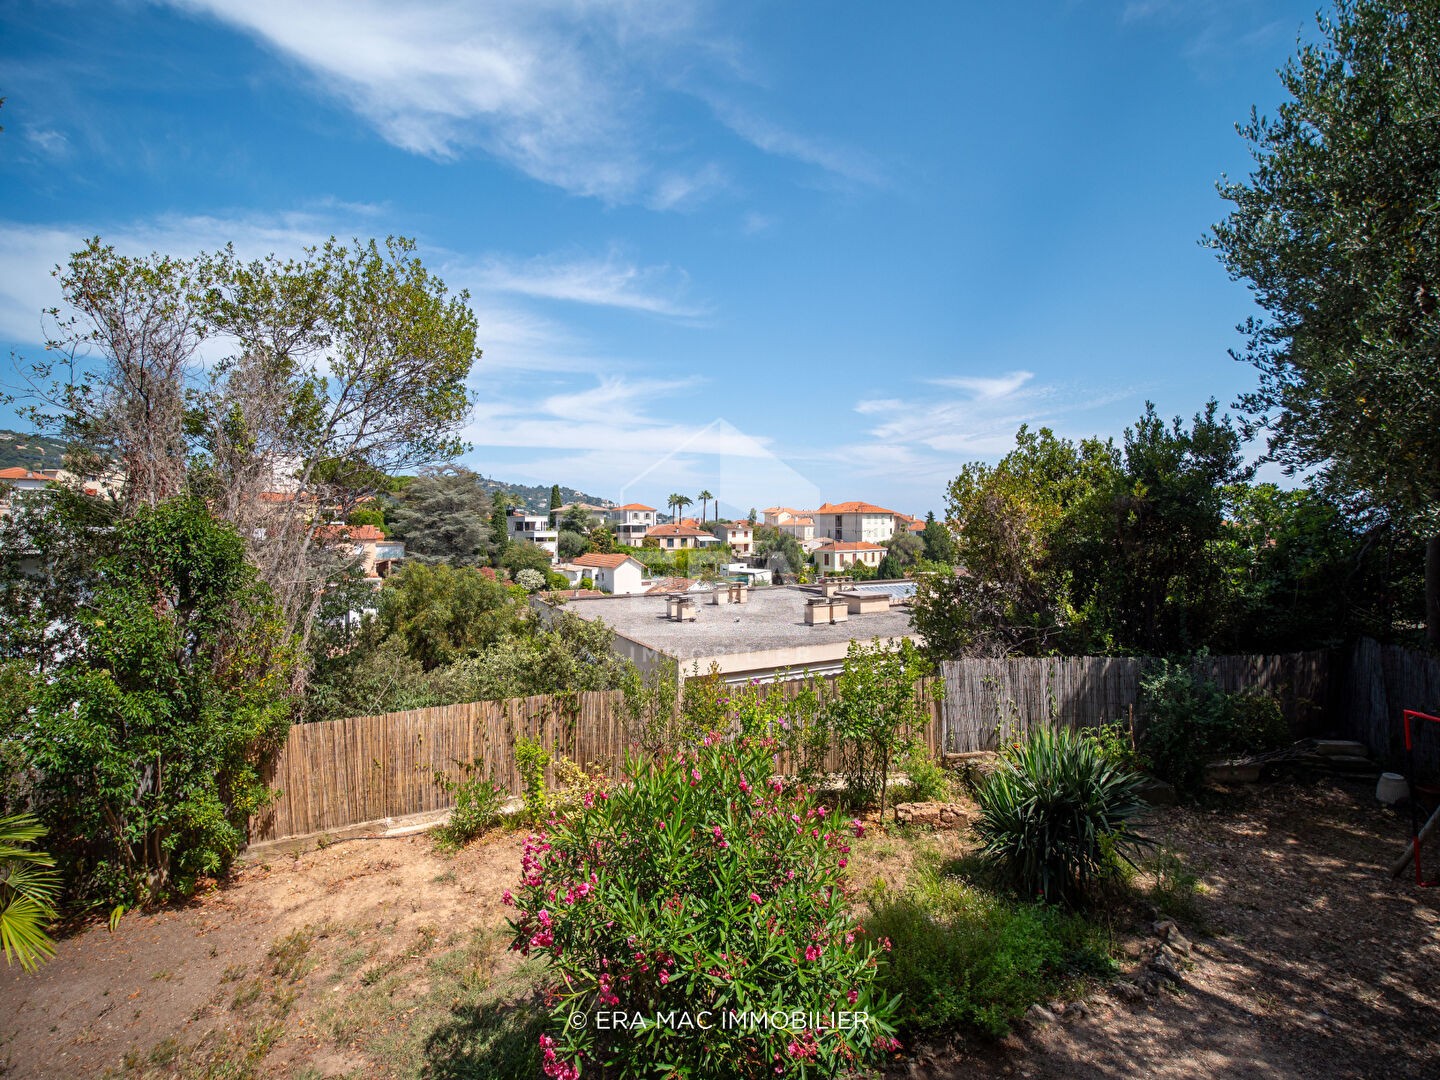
779, 515
618, 574
534, 529
860, 521
839, 555
682, 536
801, 528
739, 535
630, 522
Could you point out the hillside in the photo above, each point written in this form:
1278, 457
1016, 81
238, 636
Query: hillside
537, 497
29, 451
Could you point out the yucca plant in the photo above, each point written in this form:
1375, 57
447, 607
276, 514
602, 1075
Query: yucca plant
1055, 817
28, 886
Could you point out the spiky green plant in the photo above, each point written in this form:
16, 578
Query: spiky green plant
1056, 816
28, 886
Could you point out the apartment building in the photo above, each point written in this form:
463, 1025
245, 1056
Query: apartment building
534, 529
630, 522
855, 521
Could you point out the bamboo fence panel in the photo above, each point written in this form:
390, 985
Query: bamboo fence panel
369, 768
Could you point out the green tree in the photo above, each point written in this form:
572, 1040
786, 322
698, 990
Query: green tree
444, 514
602, 540
577, 519
570, 544
150, 734
903, 552
443, 613
523, 555
555, 500
501, 502
939, 543
705, 498
1337, 232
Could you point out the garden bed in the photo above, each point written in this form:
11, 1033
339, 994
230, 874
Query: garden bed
384, 958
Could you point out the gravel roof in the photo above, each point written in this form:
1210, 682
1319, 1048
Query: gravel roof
774, 618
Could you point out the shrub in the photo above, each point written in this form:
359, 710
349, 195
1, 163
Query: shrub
1190, 721
477, 805
875, 713
1055, 814
1116, 743
532, 759
926, 779
28, 887
963, 956
701, 887
149, 736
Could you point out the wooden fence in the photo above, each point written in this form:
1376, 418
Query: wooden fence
989, 702
366, 768
346, 772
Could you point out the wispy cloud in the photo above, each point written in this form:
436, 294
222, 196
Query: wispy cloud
606, 282
549, 86
979, 421
569, 92
844, 162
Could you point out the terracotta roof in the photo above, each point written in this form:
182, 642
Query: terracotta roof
796, 521
853, 545
18, 473
348, 532
591, 558
853, 508
634, 506
678, 530
731, 526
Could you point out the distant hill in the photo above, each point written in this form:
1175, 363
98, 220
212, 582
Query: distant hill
30, 451
38, 452
537, 497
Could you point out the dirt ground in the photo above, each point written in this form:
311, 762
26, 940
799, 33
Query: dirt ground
386, 958
1308, 961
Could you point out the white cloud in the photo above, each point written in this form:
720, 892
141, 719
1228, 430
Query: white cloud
569, 92
550, 86
766, 135
48, 141
928, 434
607, 282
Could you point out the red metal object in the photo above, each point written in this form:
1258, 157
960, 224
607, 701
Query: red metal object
1412, 714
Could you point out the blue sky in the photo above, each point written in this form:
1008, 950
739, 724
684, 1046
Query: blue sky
790, 252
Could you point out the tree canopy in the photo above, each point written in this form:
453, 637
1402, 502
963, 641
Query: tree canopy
1337, 231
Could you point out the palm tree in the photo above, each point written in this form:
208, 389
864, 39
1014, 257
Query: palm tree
28, 886
705, 498
682, 501
672, 502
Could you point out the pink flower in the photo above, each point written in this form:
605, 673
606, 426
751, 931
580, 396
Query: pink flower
660, 824
589, 799
755, 898
744, 785
507, 898
853, 996
812, 952
844, 863
858, 826
664, 978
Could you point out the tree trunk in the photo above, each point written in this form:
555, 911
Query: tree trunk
1432, 591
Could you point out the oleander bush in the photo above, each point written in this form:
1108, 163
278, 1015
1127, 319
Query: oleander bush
1055, 817
702, 889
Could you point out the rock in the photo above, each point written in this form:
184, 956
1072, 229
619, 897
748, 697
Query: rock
1126, 990
1162, 964
1179, 942
1076, 1010
1164, 928
1340, 748
1039, 1015
932, 815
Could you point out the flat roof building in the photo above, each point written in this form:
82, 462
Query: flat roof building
750, 633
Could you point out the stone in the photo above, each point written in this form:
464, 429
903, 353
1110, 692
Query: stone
1126, 990
1179, 942
1164, 928
932, 815
1039, 1015
1164, 965
1232, 772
